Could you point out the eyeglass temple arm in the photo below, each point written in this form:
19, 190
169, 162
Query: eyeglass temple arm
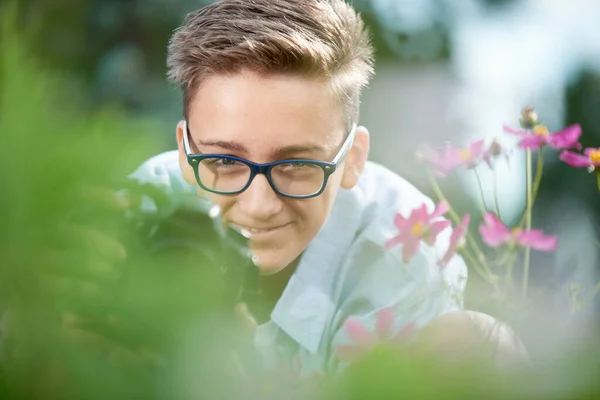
346, 146
186, 140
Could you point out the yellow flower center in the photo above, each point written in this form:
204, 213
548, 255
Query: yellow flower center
465, 154
516, 231
595, 156
541, 130
417, 229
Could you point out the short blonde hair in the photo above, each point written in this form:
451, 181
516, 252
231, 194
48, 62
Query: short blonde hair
321, 39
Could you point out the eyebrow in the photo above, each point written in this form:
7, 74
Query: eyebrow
282, 151
300, 148
230, 146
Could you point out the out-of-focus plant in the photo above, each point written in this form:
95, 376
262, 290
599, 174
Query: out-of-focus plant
377, 357
509, 248
88, 309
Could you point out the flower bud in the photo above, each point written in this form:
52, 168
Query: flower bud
495, 148
529, 118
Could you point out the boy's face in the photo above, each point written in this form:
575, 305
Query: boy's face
264, 119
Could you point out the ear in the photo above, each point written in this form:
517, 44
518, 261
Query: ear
356, 159
186, 169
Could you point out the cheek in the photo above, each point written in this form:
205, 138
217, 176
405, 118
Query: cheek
226, 203
314, 212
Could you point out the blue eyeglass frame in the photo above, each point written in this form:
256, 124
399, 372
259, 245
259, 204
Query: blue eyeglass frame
328, 167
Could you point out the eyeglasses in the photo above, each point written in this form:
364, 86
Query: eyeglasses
295, 178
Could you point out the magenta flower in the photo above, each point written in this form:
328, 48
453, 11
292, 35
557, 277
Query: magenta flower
457, 240
453, 157
539, 136
364, 340
590, 158
494, 233
420, 225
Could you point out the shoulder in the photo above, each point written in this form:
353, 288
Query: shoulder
374, 276
380, 193
162, 172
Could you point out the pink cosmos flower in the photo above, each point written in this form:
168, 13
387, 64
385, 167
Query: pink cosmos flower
453, 157
590, 158
539, 136
457, 240
364, 340
494, 233
420, 225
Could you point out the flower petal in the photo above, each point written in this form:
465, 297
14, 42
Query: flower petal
517, 132
492, 237
440, 209
476, 148
393, 242
400, 221
458, 234
434, 230
493, 231
446, 162
385, 320
533, 142
358, 333
404, 334
567, 138
536, 239
574, 159
410, 249
492, 220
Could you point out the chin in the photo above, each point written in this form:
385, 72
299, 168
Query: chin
269, 265
268, 269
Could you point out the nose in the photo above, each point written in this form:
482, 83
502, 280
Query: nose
259, 201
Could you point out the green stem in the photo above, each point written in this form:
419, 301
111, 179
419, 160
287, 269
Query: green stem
510, 265
483, 204
598, 179
528, 210
473, 261
536, 182
479, 257
496, 203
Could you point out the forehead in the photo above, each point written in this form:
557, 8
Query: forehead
272, 110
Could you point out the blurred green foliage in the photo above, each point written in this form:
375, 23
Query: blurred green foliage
157, 316
80, 317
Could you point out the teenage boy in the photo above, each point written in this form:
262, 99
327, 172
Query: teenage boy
270, 134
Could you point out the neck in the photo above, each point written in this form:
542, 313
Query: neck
272, 287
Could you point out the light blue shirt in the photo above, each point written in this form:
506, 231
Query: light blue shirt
346, 270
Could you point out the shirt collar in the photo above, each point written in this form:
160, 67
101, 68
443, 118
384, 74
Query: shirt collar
306, 304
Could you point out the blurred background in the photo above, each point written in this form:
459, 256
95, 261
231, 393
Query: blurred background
447, 71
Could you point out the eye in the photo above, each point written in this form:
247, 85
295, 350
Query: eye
220, 161
299, 165
227, 161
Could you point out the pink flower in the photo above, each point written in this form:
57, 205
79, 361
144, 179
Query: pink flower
494, 233
420, 225
539, 136
454, 157
457, 240
364, 340
590, 158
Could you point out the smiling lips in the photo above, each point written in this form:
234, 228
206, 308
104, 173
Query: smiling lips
259, 231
